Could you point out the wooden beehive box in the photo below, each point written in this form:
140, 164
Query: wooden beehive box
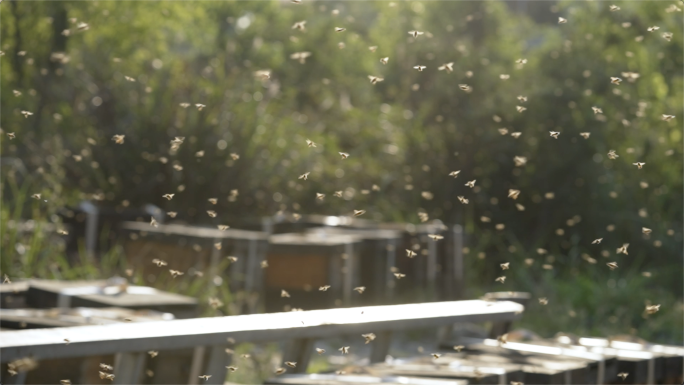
194, 249
301, 263
43, 294
287, 223
378, 255
432, 270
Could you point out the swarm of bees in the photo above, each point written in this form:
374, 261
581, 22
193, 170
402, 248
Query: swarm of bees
448, 68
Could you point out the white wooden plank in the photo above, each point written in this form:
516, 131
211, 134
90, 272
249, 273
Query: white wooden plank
189, 333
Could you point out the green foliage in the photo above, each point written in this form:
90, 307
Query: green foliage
404, 134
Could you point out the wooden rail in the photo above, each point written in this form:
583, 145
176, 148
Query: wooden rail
130, 341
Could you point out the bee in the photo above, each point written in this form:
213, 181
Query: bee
300, 25
420, 68
612, 265
153, 353
614, 8
291, 364
11, 135
184, 105
463, 200
651, 29
118, 139
512, 193
232, 368
159, 262
519, 207
234, 156
301, 56
320, 351
263, 264
106, 367
373, 48
522, 99
435, 237
358, 213
410, 253
455, 173
81, 26
262, 74
65, 382
218, 245
199, 154
35, 196
223, 227
66, 341
340, 29
360, 289
340, 372
504, 76
503, 131
369, 337
448, 67
652, 309
168, 196
597, 110
399, 275
596, 241
521, 61
415, 34
554, 134
502, 338
344, 349
384, 60
471, 183
585, 135
320, 196
175, 273
543, 301
213, 201
639, 164
153, 222
280, 371
205, 377
562, 20
436, 356
623, 375
304, 176
211, 213
106, 376
504, 266
310, 143
646, 230
344, 155
615, 80
284, 294
464, 87
337, 194
199, 106
520, 161
324, 288
667, 118
458, 348
520, 108
501, 279
623, 249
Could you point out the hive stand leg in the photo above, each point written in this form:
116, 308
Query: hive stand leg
197, 365
299, 351
129, 367
216, 365
381, 347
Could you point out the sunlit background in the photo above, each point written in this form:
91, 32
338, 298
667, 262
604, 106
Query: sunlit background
87, 71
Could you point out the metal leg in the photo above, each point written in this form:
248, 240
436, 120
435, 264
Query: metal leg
299, 351
129, 367
391, 260
381, 347
458, 263
348, 284
19, 379
216, 365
